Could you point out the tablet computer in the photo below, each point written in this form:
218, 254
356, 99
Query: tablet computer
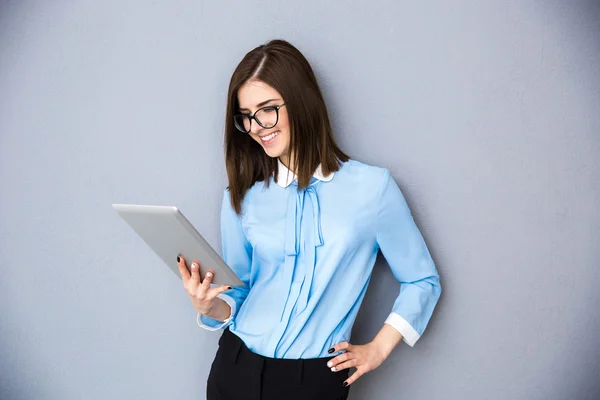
169, 234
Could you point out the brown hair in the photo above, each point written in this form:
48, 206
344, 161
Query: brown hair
282, 66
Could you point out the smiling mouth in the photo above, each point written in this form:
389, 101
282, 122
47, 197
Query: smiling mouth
268, 138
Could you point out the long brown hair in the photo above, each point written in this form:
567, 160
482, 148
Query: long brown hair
282, 66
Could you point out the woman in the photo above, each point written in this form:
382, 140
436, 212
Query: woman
301, 226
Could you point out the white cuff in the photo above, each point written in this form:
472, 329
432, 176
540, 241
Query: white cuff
227, 299
409, 335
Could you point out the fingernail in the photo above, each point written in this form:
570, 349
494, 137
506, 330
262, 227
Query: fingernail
329, 364
178, 259
229, 287
208, 275
331, 350
345, 384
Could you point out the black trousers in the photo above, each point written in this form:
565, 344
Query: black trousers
237, 373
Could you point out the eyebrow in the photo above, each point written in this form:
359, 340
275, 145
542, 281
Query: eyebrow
258, 105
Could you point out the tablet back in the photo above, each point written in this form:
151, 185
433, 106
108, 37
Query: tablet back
169, 233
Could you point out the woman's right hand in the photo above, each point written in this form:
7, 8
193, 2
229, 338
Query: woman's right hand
203, 297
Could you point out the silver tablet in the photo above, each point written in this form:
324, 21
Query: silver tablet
169, 233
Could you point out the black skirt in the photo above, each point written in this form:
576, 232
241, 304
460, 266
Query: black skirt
237, 373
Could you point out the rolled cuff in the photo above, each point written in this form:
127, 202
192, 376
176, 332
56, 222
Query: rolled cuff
409, 335
212, 324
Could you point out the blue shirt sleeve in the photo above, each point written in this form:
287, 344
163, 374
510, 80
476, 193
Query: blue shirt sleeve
404, 249
237, 253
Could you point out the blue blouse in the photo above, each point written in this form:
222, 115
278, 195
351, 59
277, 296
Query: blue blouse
306, 257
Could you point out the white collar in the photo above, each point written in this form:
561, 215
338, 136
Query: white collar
285, 177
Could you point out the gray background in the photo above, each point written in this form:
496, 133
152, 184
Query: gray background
487, 114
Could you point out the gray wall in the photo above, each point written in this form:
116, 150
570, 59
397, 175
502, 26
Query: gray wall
487, 114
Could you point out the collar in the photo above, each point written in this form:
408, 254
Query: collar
285, 177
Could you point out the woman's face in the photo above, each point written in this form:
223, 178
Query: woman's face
255, 94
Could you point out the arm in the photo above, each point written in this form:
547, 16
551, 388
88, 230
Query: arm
404, 249
237, 253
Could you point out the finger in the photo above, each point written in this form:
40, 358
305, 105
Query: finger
340, 347
218, 290
185, 274
357, 374
344, 365
207, 280
194, 280
195, 271
339, 359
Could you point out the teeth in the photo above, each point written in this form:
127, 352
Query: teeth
269, 137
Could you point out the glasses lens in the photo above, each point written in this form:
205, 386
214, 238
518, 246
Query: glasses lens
267, 117
242, 122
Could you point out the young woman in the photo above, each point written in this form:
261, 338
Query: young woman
301, 226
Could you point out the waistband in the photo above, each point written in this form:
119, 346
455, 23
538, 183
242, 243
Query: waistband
311, 374
235, 346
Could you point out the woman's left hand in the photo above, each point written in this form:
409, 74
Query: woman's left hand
364, 358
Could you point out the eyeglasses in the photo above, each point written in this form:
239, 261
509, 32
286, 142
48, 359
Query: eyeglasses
266, 117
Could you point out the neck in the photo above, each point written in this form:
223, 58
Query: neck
287, 161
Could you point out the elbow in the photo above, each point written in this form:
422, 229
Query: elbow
434, 286
437, 286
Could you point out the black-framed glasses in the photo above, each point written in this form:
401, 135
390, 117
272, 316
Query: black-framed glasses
266, 117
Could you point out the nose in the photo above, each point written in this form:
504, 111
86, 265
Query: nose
255, 127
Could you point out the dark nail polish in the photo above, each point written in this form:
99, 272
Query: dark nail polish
178, 259
331, 350
229, 287
345, 384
